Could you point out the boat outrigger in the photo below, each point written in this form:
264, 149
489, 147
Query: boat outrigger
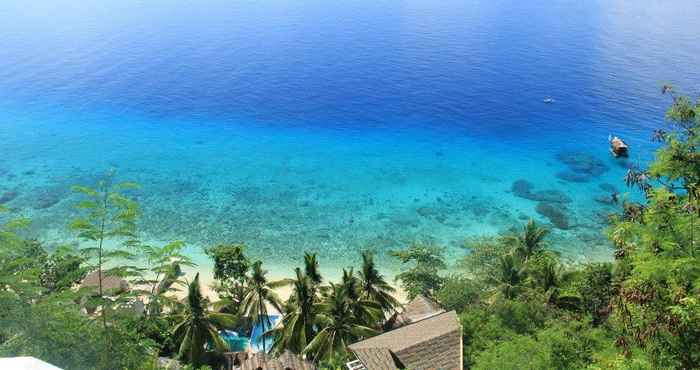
618, 148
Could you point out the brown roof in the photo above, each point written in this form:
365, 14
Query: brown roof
419, 308
253, 361
109, 282
432, 343
375, 358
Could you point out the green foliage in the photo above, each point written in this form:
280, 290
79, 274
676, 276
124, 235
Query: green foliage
164, 275
559, 346
230, 262
422, 276
55, 331
529, 243
658, 270
338, 326
298, 324
197, 327
261, 293
595, 287
61, 270
107, 213
373, 286
458, 292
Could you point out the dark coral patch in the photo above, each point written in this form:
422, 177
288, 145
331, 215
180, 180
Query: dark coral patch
524, 189
582, 162
571, 176
554, 213
8, 196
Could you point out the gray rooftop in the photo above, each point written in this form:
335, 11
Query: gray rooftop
432, 343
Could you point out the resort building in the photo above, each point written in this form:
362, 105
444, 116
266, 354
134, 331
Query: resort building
425, 337
263, 361
25, 363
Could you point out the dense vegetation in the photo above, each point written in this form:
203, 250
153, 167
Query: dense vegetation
521, 306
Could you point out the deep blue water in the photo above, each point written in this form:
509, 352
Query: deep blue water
334, 126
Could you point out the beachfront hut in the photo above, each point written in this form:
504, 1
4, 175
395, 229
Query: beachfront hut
110, 284
264, 361
432, 342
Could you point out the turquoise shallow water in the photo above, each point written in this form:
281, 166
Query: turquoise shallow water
332, 128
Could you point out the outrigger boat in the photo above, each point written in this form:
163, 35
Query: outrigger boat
618, 148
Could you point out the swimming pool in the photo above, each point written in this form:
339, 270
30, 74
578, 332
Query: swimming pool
238, 342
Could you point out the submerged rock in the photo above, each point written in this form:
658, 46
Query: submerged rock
582, 162
523, 189
610, 188
571, 176
8, 196
605, 199
554, 213
49, 196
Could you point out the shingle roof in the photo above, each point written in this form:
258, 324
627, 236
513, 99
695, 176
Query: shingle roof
432, 343
375, 358
109, 282
419, 308
254, 361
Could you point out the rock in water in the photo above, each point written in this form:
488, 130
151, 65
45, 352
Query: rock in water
609, 188
8, 196
571, 176
554, 214
523, 189
581, 162
605, 199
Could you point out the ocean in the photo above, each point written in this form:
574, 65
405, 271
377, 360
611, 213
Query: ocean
338, 126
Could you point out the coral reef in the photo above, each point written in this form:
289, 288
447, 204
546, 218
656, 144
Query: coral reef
582, 167
524, 189
609, 188
554, 213
572, 176
8, 196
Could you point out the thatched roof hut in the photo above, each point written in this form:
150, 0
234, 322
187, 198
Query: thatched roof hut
110, 284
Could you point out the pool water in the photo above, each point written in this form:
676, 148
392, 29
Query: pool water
241, 343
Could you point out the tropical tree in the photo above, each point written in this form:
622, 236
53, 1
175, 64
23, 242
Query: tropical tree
423, 274
230, 270
107, 213
311, 268
197, 328
508, 277
165, 271
366, 311
298, 325
374, 287
658, 265
530, 242
338, 326
261, 293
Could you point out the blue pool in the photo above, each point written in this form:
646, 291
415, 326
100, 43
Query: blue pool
240, 343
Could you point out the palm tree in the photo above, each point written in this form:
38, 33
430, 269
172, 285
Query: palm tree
508, 276
338, 326
549, 276
261, 293
367, 311
197, 327
373, 287
297, 327
311, 268
530, 242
